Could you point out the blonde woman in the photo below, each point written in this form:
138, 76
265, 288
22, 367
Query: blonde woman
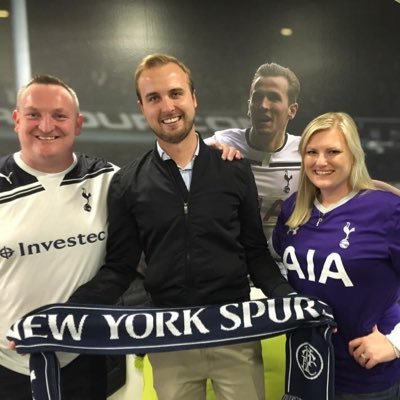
339, 239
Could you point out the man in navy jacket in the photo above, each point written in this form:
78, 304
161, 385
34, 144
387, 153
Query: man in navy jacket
196, 219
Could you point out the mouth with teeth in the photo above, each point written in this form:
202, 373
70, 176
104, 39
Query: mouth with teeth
171, 120
47, 138
323, 173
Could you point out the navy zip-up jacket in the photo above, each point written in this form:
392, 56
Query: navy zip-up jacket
200, 245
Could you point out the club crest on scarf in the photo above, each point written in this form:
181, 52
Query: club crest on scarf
309, 361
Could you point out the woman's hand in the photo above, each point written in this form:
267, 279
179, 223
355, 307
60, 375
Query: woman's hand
372, 349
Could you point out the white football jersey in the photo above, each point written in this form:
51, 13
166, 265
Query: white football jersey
52, 238
276, 174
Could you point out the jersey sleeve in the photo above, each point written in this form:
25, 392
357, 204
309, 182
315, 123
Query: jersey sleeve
274, 241
393, 236
394, 336
210, 140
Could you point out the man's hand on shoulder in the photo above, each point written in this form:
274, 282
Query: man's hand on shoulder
228, 152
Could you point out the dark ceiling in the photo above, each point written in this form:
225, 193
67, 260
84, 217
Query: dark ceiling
345, 52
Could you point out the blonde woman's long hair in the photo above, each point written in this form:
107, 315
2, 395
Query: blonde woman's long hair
359, 176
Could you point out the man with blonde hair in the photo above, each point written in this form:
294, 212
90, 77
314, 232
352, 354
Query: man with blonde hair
196, 218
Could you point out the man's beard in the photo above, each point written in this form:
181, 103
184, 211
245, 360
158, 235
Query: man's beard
176, 136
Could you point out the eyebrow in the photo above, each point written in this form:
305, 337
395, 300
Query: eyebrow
32, 108
266, 91
151, 94
326, 148
174, 89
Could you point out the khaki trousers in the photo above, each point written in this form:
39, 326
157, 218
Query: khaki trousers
236, 372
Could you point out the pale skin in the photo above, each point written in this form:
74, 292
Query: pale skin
169, 108
270, 111
372, 349
228, 153
328, 162
47, 123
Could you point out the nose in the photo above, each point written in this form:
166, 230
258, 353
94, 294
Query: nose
168, 104
46, 124
265, 103
321, 159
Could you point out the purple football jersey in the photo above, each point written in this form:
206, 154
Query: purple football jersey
349, 257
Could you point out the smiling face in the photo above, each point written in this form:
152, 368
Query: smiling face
269, 108
328, 162
47, 123
167, 102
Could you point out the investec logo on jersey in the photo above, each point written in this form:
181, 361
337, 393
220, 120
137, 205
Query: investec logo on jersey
28, 249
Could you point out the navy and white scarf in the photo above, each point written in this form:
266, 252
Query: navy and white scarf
308, 323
